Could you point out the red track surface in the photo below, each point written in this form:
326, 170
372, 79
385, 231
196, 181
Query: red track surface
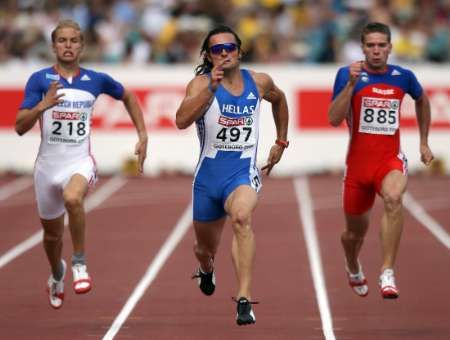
127, 230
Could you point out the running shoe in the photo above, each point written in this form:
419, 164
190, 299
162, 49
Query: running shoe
358, 281
206, 281
387, 284
55, 289
82, 282
245, 315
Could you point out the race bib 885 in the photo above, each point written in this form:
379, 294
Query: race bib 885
379, 116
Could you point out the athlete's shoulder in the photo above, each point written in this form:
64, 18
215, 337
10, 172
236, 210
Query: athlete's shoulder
254, 74
92, 74
45, 73
397, 70
200, 80
341, 78
260, 78
343, 70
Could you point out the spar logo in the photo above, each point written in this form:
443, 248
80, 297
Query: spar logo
58, 115
242, 121
381, 103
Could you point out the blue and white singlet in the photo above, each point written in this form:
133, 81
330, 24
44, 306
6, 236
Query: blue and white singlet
228, 134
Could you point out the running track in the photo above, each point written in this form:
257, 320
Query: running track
139, 254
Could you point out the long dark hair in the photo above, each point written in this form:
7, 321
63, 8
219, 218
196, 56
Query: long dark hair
206, 66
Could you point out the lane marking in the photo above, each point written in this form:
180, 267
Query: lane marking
427, 221
305, 208
153, 269
14, 187
91, 202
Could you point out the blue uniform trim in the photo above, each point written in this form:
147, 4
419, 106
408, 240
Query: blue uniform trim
395, 76
93, 82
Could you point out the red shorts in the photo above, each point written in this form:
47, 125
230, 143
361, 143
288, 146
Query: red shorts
363, 180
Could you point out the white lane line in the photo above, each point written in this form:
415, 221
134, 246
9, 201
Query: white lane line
423, 217
14, 187
153, 269
305, 207
92, 201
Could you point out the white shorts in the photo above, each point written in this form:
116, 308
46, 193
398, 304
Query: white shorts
50, 178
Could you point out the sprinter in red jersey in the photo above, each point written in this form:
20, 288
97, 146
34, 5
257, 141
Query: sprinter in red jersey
368, 94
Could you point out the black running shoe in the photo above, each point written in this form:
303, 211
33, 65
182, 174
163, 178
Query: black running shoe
206, 281
245, 315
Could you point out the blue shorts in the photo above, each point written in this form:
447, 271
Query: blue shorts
215, 181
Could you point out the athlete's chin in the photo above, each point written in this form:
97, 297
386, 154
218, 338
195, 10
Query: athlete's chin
228, 65
68, 58
378, 62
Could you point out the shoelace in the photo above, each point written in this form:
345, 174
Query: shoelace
388, 279
80, 270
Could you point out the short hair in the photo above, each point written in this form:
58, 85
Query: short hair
67, 24
376, 27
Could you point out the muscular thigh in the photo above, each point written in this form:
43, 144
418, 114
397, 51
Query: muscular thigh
215, 182
397, 165
244, 199
50, 179
207, 207
359, 191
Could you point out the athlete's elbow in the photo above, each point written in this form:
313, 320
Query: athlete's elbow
334, 122
19, 129
181, 123
333, 119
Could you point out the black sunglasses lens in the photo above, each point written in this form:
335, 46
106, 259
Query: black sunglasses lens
217, 49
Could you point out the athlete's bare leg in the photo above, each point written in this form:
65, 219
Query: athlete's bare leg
239, 206
353, 237
207, 241
73, 194
392, 189
52, 241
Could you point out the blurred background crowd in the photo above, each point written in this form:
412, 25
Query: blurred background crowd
171, 31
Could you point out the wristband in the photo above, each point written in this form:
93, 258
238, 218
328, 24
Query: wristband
283, 143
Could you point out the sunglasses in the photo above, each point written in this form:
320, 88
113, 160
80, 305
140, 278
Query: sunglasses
228, 47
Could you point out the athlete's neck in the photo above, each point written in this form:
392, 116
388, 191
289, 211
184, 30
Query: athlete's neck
67, 70
232, 77
371, 69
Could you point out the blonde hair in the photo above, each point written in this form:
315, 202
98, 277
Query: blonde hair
67, 24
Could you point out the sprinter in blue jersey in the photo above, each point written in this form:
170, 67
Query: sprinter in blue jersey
61, 98
224, 100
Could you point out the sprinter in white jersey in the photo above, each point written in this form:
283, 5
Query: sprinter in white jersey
61, 98
224, 100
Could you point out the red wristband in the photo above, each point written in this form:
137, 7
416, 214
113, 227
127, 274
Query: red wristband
282, 143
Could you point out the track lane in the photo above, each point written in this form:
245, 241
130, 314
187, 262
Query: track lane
418, 313
174, 307
126, 231
120, 241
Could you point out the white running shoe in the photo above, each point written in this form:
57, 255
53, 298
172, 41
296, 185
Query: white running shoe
387, 284
55, 289
82, 282
358, 281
